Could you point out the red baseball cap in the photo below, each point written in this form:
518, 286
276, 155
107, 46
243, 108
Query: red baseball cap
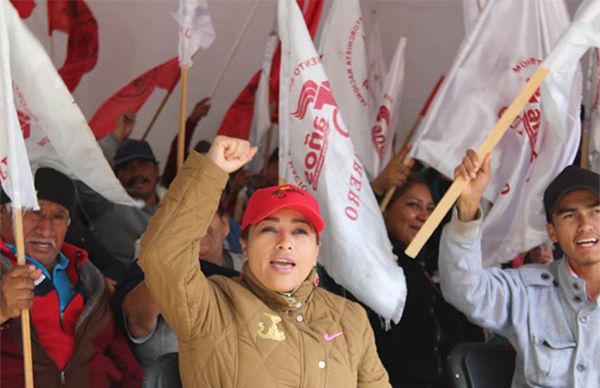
267, 201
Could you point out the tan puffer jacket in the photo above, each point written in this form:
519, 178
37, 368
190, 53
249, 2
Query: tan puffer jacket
235, 332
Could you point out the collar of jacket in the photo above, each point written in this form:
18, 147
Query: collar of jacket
277, 300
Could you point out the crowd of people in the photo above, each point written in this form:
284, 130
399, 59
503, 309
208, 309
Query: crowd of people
220, 266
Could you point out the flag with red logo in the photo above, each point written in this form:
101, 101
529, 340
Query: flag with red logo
386, 118
15, 174
238, 119
54, 129
343, 46
195, 29
507, 44
316, 154
131, 97
75, 18
24, 7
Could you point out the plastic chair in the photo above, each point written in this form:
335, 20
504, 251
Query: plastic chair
164, 372
480, 365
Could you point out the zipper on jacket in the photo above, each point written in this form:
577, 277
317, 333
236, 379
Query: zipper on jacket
63, 380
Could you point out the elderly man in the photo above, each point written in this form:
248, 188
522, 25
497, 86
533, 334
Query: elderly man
75, 342
549, 313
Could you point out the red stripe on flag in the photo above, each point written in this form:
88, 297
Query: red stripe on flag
133, 96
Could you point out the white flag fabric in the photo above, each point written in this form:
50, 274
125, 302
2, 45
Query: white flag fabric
195, 29
55, 131
471, 11
316, 154
261, 118
345, 61
15, 173
376, 65
507, 44
592, 113
386, 117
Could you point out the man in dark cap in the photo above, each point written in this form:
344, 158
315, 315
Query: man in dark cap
118, 227
75, 342
549, 313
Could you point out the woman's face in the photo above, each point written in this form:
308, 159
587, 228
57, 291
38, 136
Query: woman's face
281, 250
408, 213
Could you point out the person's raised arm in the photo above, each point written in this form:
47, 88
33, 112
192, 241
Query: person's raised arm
171, 243
486, 297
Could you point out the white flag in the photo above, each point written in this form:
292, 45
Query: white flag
195, 29
261, 118
386, 118
376, 65
507, 44
471, 11
592, 112
55, 132
316, 154
15, 173
345, 61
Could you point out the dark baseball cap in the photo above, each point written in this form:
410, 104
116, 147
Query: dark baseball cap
131, 150
51, 185
570, 179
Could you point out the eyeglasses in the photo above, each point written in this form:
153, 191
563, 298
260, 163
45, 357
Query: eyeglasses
57, 218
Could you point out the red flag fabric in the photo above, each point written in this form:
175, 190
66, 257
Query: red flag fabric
133, 95
238, 119
24, 7
75, 18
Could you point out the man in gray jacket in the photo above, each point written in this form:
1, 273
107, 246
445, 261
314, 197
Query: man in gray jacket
550, 314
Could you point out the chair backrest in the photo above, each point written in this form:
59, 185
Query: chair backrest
163, 373
478, 365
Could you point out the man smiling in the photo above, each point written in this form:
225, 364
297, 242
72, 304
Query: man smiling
549, 313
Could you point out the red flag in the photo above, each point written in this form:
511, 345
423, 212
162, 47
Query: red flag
238, 119
133, 95
75, 18
24, 7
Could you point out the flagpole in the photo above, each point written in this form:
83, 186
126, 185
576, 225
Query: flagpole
585, 144
411, 133
157, 113
25, 320
490, 142
233, 50
181, 137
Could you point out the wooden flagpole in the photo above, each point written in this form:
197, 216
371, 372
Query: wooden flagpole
181, 137
25, 320
157, 113
233, 50
490, 142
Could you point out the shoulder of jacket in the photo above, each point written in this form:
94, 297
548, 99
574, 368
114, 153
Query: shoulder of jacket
536, 275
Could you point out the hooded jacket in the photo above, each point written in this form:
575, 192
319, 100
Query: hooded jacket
236, 332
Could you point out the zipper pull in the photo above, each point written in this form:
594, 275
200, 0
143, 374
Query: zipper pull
63, 380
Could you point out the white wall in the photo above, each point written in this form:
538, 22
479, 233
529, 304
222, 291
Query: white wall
138, 34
